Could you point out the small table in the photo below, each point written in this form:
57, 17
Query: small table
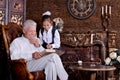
93, 68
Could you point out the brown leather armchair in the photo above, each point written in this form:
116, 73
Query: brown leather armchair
17, 68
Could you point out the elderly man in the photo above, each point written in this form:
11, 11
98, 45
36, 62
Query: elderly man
29, 48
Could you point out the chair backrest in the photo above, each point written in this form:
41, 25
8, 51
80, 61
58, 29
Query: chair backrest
10, 32
17, 68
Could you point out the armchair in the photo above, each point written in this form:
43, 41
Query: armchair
17, 68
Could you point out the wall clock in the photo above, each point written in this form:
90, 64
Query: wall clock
81, 9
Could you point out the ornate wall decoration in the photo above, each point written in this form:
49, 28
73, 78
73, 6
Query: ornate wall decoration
81, 39
2, 3
17, 11
17, 6
3, 10
16, 18
2, 17
12, 11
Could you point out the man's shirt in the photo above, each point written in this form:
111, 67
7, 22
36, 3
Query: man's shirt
22, 48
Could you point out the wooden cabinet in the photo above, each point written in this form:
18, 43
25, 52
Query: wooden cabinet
12, 11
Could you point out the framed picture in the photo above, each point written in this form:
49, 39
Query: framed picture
2, 3
17, 5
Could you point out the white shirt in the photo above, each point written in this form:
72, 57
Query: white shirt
47, 37
22, 48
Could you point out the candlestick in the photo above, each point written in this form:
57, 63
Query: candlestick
92, 38
105, 22
110, 10
106, 9
102, 10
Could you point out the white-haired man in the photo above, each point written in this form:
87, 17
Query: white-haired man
28, 47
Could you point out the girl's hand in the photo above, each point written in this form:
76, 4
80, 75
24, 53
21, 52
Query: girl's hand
49, 46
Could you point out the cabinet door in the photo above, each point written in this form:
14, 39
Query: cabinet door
17, 11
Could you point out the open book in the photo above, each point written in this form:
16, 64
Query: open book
48, 51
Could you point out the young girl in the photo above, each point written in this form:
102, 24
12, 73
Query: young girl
49, 36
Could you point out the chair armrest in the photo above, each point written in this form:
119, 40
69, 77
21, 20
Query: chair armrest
19, 70
19, 60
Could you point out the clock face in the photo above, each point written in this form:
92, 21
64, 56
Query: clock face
81, 9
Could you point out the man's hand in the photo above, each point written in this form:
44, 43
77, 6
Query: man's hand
35, 42
36, 55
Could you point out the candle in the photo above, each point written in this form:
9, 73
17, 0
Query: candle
106, 9
92, 38
102, 10
110, 10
